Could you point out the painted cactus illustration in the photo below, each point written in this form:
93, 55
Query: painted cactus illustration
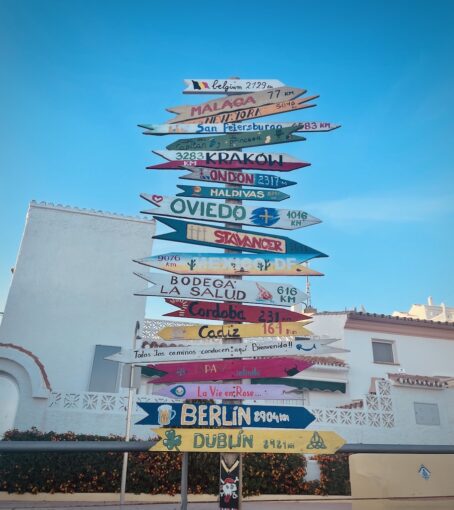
264, 266
192, 263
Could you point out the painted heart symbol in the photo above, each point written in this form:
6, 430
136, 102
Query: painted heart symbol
157, 199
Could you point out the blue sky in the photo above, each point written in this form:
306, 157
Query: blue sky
77, 77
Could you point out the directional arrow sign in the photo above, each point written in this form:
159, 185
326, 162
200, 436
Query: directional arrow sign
221, 237
229, 86
220, 289
225, 415
209, 210
247, 113
243, 441
232, 312
231, 160
232, 193
237, 177
225, 369
228, 264
193, 391
238, 140
231, 104
264, 329
242, 127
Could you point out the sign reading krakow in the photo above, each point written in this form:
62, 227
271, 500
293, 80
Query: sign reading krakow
194, 208
227, 369
232, 193
220, 289
225, 415
227, 264
243, 441
204, 129
194, 391
222, 237
230, 86
237, 177
230, 160
232, 312
238, 140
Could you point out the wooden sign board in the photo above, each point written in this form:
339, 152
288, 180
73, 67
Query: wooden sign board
231, 104
229, 86
237, 177
232, 193
220, 289
238, 140
241, 127
232, 160
231, 265
227, 391
222, 237
224, 415
232, 312
226, 369
249, 440
209, 210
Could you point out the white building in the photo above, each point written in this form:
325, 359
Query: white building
431, 312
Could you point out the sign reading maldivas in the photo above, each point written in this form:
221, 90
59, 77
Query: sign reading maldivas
228, 264
225, 415
249, 440
232, 193
220, 289
237, 177
231, 104
237, 140
226, 369
232, 312
231, 160
212, 210
229, 86
223, 237
241, 127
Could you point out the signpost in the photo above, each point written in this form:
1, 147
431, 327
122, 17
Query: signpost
238, 140
234, 239
230, 86
225, 415
236, 177
232, 193
208, 210
220, 289
242, 441
200, 391
231, 264
232, 312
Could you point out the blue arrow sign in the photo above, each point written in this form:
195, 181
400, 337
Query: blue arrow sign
234, 239
225, 415
232, 193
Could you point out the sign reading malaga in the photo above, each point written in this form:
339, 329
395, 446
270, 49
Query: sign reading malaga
237, 177
193, 208
232, 193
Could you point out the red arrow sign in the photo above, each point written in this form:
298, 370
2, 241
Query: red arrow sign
232, 312
227, 369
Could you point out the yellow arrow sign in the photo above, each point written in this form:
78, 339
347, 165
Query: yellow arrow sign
247, 440
235, 330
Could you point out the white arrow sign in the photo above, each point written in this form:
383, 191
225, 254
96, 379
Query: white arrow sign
213, 210
229, 86
206, 351
220, 289
242, 158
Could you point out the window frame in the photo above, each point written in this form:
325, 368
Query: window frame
92, 381
392, 343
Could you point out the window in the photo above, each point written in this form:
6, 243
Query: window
383, 351
426, 414
104, 373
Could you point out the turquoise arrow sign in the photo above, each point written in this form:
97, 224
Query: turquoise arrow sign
238, 140
234, 239
232, 193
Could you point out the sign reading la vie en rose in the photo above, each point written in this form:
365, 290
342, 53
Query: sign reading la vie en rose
232, 193
209, 210
249, 440
225, 415
222, 237
227, 264
220, 289
236, 177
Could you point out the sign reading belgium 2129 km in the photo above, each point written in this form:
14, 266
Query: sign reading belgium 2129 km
212, 210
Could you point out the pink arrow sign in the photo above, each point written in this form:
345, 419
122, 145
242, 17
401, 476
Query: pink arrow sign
226, 369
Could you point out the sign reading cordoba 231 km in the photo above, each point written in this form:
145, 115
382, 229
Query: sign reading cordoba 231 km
220, 289
194, 208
